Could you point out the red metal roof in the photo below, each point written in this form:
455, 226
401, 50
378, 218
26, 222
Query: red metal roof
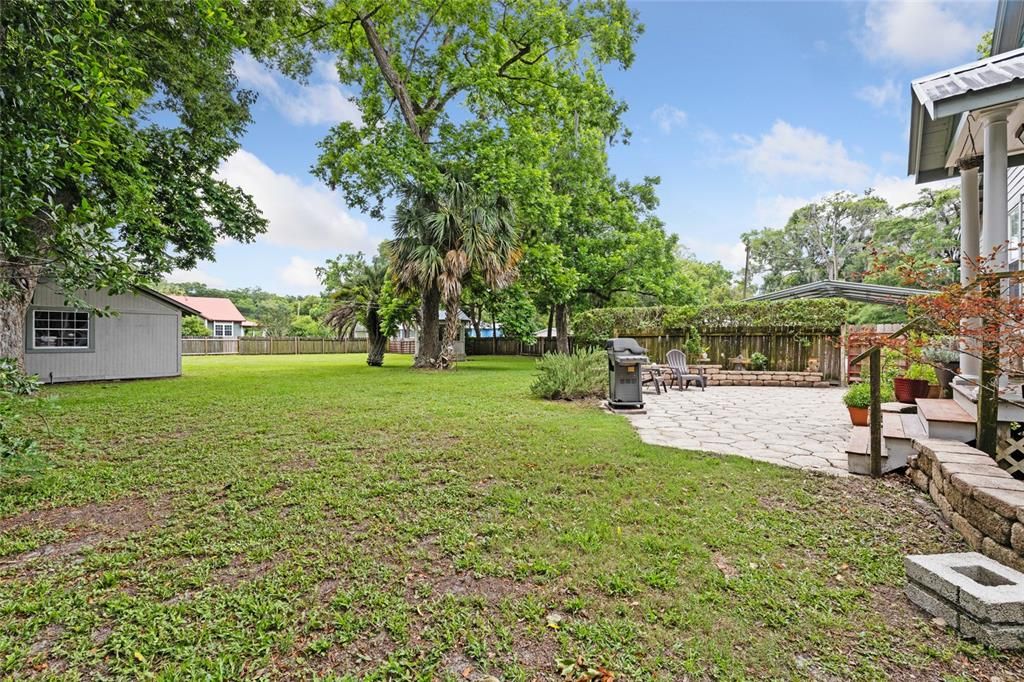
212, 309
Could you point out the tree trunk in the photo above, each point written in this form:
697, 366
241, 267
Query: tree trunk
494, 334
562, 325
452, 327
13, 308
376, 342
429, 346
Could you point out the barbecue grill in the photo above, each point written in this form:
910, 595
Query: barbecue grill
625, 358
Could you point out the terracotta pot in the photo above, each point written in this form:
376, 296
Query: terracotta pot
934, 391
909, 390
859, 415
945, 375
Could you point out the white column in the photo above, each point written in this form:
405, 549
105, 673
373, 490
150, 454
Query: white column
970, 217
994, 228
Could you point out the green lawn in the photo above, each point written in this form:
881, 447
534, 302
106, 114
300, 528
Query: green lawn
310, 516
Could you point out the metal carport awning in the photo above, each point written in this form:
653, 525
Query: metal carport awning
851, 291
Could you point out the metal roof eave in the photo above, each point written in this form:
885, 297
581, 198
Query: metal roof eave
854, 291
973, 100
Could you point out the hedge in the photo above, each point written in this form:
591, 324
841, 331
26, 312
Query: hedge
801, 315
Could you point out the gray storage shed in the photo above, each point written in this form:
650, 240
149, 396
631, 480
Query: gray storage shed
140, 339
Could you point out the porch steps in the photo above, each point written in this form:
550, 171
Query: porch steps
945, 419
901, 425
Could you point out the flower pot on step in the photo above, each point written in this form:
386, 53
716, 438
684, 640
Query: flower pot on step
859, 415
934, 391
909, 390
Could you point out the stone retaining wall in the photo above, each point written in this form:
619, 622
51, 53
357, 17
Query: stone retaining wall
727, 377
983, 502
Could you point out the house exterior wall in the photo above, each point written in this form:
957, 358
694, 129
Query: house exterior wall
236, 329
1015, 210
142, 341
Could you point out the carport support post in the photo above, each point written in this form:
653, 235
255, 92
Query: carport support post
875, 370
970, 235
988, 386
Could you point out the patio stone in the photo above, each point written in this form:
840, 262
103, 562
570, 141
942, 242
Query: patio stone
803, 428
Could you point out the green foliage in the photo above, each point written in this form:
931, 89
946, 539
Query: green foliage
874, 313
694, 347
826, 239
194, 326
758, 362
305, 325
919, 371
580, 374
941, 350
807, 315
15, 389
859, 395
984, 48
116, 119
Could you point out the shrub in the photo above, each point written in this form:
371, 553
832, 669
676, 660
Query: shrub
15, 387
859, 395
758, 362
193, 326
693, 346
921, 372
581, 374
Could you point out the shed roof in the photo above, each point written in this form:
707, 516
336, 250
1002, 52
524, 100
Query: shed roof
212, 309
852, 291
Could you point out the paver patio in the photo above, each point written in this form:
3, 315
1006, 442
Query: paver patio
806, 428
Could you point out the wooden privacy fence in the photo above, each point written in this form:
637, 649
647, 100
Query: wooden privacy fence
786, 351
269, 345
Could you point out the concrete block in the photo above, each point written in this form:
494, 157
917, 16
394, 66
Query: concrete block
981, 588
949, 468
919, 479
940, 500
955, 498
1006, 637
821, 384
1017, 538
1002, 554
987, 521
933, 604
993, 478
787, 383
972, 535
1003, 502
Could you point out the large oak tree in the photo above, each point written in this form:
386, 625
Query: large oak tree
114, 117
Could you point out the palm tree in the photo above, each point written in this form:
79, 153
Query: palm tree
440, 237
357, 293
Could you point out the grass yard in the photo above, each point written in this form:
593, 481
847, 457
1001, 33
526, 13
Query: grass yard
311, 517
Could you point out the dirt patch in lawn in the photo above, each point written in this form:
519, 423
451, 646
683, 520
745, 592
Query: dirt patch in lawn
86, 526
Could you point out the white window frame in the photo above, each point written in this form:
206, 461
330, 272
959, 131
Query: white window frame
218, 326
63, 311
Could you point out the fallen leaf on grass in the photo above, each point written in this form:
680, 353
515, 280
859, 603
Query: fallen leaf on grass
727, 569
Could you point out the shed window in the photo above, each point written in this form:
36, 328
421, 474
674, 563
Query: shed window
223, 329
60, 329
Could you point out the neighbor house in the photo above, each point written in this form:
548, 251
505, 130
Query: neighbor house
140, 336
220, 315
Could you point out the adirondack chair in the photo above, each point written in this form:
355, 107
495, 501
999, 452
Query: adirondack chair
680, 371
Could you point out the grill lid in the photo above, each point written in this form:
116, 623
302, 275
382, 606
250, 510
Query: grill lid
624, 345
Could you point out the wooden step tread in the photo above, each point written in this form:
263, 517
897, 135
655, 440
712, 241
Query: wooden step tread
943, 410
860, 442
902, 408
912, 426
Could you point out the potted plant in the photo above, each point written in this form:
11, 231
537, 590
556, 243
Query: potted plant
914, 382
946, 362
758, 362
858, 401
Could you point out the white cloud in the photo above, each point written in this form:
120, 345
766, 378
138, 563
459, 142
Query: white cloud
730, 254
668, 117
194, 275
302, 214
922, 32
885, 97
902, 190
788, 151
775, 211
820, 46
300, 276
321, 101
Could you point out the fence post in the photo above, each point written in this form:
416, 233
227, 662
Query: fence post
206, 345
876, 411
323, 345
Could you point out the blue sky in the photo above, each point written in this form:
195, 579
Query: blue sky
747, 110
